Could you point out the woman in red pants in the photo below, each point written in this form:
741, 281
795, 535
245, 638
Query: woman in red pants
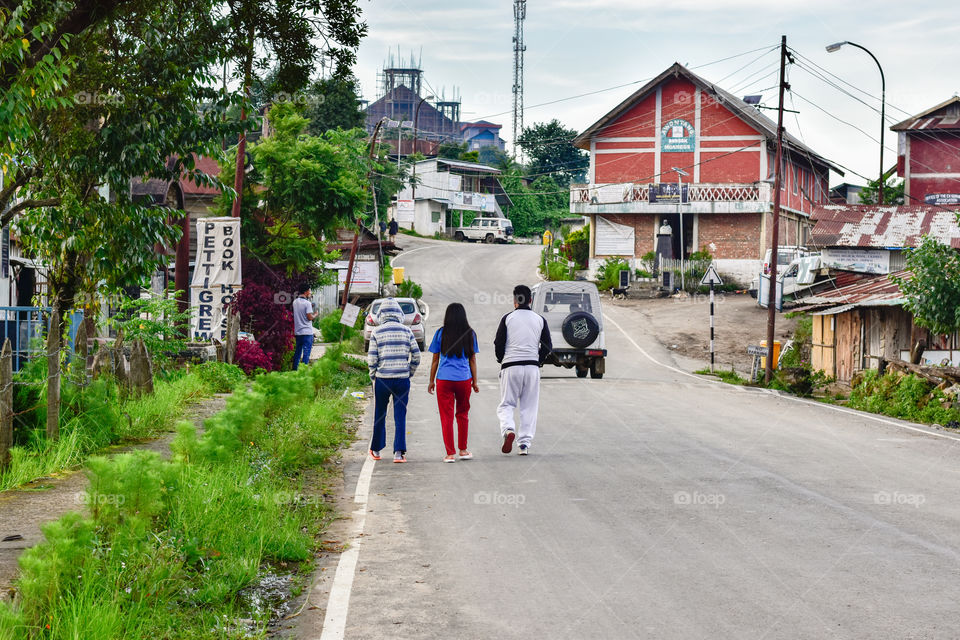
453, 374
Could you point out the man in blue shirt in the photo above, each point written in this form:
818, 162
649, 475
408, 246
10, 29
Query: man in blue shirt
303, 314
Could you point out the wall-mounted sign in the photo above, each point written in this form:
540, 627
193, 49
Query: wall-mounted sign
942, 198
677, 135
858, 260
668, 193
405, 211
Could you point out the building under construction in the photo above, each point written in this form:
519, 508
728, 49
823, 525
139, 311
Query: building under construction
400, 93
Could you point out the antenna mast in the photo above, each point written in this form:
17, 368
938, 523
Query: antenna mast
519, 15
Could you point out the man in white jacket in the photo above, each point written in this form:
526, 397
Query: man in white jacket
521, 346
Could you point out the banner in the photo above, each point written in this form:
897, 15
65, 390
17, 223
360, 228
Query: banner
216, 276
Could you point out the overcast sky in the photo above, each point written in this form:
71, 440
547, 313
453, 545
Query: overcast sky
578, 46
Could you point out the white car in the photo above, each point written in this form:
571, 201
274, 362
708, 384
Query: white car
414, 315
575, 319
487, 230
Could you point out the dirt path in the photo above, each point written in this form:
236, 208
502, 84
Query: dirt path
25, 509
683, 326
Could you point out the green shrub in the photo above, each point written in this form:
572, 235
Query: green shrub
409, 289
558, 271
608, 276
220, 377
157, 320
902, 396
331, 329
576, 247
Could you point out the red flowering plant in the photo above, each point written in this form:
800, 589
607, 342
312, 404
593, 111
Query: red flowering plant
251, 357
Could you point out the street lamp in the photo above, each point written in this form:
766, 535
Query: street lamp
883, 105
683, 245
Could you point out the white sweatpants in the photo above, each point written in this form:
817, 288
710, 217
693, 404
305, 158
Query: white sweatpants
519, 389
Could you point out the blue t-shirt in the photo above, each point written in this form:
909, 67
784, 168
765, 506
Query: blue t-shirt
452, 368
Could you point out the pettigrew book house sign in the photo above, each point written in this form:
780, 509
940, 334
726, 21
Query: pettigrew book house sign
216, 276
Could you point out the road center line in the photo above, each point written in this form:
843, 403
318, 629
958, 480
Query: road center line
335, 620
784, 396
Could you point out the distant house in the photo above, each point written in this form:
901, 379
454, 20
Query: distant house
929, 154
482, 134
446, 187
845, 193
724, 149
400, 104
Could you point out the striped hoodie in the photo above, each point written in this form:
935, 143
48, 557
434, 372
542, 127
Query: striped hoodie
393, 350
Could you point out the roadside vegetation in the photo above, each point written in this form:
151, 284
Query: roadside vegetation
904, 396
174, 548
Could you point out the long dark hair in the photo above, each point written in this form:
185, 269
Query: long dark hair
456, 341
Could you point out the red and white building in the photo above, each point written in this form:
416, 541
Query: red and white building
929, 155
727, 149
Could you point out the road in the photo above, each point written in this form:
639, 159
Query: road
653, 505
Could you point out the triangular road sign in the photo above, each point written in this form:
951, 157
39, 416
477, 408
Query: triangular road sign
711, 276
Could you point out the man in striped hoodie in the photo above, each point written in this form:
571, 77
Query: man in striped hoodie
393, 358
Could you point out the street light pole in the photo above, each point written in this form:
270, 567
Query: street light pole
883, 106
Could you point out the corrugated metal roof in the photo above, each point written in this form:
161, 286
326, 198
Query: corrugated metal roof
882, 227
945, 115
461, 164
873, 291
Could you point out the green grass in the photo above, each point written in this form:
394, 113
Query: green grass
95, 417
902, 396
169, 545
730, 377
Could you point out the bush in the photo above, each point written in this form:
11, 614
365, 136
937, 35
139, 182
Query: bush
250, 357
409, 289
577, 247
558, 271
609, 274
333, 331
220, 377
908, 397
157, 321
268, 319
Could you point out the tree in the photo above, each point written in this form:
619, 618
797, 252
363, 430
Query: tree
451, 150
893, 192
551, 151
333, 103
933, 291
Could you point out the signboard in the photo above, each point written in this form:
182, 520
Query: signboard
859, 260
942, 198
473, 201
5, 253
677, 135
614, 239
405, 210
366, 276
216, 276
669, 193
350, 314
711, 277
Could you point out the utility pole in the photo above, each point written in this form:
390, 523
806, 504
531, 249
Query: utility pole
356, 234
775, 240
519, 15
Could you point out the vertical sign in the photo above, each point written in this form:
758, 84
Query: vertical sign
216, 276
5, 253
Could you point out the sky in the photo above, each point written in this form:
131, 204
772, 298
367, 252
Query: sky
581, 46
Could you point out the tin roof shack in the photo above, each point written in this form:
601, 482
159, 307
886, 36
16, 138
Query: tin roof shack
872, 239
928, 159
864, 324
447, 186
726, 151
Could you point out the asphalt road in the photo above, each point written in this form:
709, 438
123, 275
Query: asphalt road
653, 504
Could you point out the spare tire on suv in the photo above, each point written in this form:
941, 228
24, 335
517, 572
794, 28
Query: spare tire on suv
580, 329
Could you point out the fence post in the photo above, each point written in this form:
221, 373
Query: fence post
79, 365
53, 375
6, 403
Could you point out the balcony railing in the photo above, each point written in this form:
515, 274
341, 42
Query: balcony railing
600, 194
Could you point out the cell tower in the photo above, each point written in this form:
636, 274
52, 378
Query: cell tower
519, 15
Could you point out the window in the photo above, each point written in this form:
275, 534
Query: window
794, 181
566, 303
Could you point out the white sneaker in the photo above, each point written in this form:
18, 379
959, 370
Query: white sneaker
524, 450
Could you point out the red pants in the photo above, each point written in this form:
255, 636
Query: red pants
450, 393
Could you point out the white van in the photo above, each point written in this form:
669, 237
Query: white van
487, 230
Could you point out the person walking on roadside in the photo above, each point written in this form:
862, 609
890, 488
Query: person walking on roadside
303, 315
393, 228
393, 358
453, 373
521, 346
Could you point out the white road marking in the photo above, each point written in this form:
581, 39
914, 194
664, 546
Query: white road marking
822, 405
335, 620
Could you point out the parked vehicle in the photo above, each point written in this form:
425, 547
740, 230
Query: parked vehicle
487, 230
414, 316
785, 256
575, 320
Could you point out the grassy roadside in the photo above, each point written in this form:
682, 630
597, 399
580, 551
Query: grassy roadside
170, 546
96, 416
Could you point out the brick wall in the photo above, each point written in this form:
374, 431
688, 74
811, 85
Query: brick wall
735, 235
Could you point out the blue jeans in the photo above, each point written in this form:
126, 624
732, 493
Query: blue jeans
383, 389
302, 351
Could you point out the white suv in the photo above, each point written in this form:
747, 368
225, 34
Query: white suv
575, 319
487, 230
